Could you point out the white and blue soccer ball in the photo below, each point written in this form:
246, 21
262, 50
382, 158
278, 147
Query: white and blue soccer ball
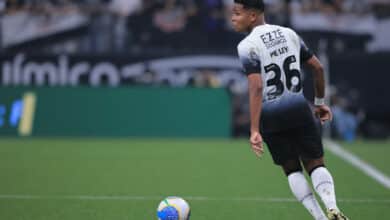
173, 208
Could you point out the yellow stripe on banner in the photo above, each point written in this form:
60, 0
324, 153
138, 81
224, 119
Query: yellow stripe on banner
27, 119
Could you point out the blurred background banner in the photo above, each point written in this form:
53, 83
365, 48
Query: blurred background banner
115, 70
129, 112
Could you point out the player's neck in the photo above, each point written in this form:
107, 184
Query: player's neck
260, 21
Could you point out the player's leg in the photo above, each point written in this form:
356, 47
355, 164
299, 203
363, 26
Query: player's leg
301, 189
280, 147
323, 184
312, 155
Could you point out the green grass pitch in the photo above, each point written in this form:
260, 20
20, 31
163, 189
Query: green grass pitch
125, 179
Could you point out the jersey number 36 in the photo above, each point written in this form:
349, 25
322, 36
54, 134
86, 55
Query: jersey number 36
293, 78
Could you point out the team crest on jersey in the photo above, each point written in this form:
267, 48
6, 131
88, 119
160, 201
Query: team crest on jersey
253, 57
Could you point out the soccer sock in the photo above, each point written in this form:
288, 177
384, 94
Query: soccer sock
323, 184
301, 189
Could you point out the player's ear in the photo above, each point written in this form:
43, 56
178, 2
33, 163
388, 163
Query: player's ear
253, 15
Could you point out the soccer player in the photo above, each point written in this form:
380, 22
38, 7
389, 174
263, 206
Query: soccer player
271, 56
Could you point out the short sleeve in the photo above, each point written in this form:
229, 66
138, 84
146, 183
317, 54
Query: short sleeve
249, 58
306, 53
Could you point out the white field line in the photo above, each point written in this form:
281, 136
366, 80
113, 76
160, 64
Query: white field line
358, 163
190, 198
334, 148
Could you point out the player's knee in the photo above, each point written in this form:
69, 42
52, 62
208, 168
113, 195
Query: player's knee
291, 167
312, 164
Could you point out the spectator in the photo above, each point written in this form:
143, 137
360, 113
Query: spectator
344, 122
348, 115
332, 6
170, 18
169, 22
125, 8
278, 12
212, 17
122, 9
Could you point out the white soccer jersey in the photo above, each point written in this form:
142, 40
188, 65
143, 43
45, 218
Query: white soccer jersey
276, 53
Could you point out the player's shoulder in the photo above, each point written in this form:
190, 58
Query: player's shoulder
245, 43
250, 40
292, 34
289, 31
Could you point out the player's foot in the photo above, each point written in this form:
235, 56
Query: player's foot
336, 215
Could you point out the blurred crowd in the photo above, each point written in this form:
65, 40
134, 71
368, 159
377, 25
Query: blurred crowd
189, 8
136, 24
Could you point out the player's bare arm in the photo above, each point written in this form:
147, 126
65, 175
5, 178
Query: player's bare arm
255, 85
322, 111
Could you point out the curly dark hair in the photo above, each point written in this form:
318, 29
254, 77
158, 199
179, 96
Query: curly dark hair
257, 4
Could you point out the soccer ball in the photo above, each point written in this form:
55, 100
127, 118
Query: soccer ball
173, 208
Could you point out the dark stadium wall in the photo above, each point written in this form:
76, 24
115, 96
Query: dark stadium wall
369, 76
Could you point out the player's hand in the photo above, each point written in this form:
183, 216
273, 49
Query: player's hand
324, 113
257, 143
